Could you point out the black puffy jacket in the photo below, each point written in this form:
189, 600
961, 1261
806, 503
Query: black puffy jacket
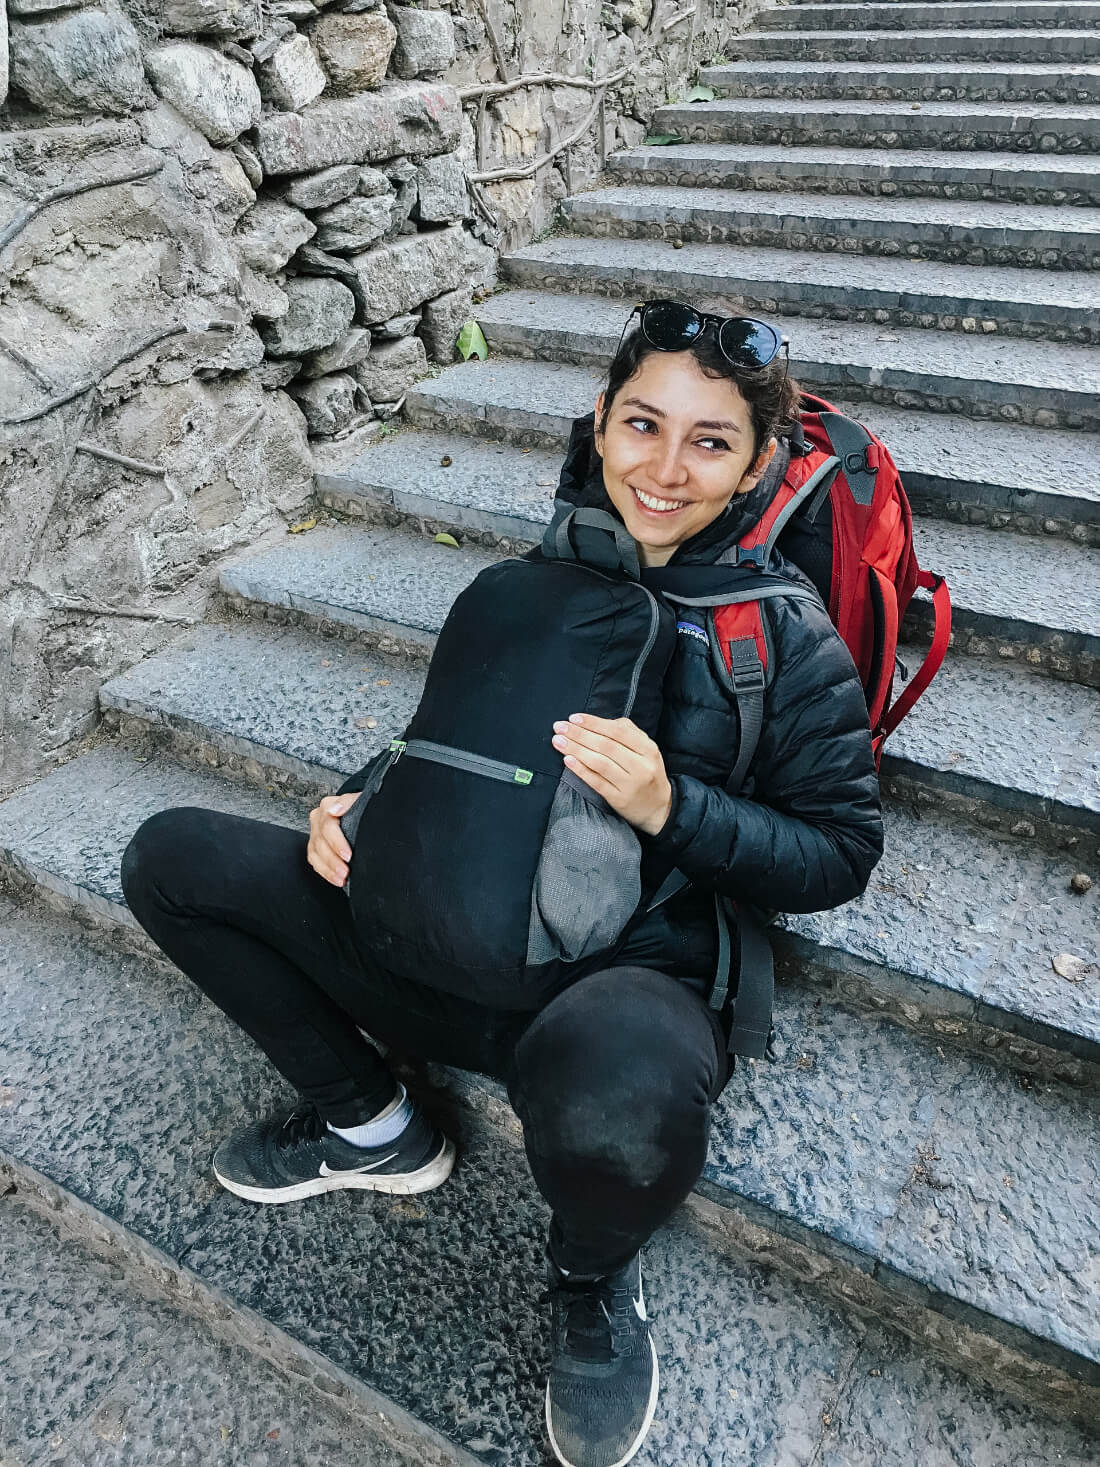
807, 833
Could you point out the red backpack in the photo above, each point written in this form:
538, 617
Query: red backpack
872, 571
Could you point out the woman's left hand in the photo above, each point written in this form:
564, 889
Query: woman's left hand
620, 762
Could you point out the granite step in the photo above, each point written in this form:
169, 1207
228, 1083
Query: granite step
104, 1362
972, 375
1015, 598
974, 1239
1049, 14
950, 231
1061, 305
952, 126
1042, 46
905, 81
1019, 178
980, 742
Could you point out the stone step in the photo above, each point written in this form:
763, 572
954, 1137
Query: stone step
1002, 474
1044, 46
1035, 602
951, 231
102, 1361
905, 81
1018, 178
980, 741
952, 126
1048, 14
1062, 305
976, 1239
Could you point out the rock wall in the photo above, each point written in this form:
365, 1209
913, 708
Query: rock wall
228, 227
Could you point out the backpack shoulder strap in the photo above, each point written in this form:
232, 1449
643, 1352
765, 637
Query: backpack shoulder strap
591, 537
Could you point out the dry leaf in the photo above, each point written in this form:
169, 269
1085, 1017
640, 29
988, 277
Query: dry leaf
326, 661
366, 723
381, 682
1074, 969
303, 525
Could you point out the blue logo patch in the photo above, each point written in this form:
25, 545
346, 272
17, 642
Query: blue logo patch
689, 629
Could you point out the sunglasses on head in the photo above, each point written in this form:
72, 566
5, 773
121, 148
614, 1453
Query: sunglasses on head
671, 326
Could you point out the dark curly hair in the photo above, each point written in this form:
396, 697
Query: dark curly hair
771, 393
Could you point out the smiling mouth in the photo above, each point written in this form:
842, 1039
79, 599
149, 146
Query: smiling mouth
654, 505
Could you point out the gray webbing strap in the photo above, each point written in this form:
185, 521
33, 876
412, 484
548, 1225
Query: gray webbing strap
747, 674
751, 1023
559, 543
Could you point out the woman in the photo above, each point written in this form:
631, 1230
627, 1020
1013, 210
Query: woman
613, 1079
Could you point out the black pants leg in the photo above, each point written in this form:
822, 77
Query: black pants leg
612, 1080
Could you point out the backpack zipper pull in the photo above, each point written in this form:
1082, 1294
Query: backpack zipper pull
397, 748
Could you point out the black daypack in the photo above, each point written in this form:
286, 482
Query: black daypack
480, 864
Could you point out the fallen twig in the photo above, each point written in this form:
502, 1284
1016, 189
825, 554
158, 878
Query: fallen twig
120, 458
536, 78
25, 361
242, 433
141, 613
16, 226
501, 175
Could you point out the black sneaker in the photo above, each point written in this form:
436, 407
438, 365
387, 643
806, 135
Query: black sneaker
280, 1160
602, 1390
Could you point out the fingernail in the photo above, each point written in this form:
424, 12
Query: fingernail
576, 718
559, 742
561, 728
337, 809
570, 761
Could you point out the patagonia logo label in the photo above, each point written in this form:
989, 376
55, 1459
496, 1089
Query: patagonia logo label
689, 629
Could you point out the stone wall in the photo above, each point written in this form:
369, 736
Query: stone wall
228, 227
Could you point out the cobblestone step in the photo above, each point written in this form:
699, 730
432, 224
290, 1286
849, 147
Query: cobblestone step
1019, 178
1015, 598
975, 1239
105, 1362
950, 231
1048, 14
1030, 479
1044, 46
1060, 305
954, 126
905, 81
981, 375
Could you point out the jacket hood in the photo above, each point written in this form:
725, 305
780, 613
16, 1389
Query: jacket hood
581, 485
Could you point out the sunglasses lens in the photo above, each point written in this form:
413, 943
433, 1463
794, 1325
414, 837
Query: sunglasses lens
748, 343
670, 325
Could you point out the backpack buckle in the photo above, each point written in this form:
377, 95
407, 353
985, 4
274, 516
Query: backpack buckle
748, 678
751, 555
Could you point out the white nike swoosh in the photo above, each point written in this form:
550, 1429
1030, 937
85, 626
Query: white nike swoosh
639, 1307
327, 1171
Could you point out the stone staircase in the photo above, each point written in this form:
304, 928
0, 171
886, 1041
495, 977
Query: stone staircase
894, 1253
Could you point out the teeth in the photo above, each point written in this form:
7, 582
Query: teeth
651, 503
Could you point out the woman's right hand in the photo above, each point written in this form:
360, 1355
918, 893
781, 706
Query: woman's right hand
328, 852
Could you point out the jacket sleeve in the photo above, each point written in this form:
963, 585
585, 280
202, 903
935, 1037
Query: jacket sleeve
811, 833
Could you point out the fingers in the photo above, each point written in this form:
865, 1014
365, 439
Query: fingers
614, 748
328, 852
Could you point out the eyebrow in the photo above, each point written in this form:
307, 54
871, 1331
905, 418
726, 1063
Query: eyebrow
722, 424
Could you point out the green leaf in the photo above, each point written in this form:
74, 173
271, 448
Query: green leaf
471, 342
444, 539
700, 94
662, 139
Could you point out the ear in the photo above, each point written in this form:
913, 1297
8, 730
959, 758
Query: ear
597, 436
753, 475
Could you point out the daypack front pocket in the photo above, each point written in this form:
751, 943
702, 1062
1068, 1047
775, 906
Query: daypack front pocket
588, 882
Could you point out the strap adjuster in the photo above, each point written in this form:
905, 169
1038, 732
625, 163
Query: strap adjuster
751, 555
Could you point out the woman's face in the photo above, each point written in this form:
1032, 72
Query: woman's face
678, 447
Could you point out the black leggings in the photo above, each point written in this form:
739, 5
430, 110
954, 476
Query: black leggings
612, 1080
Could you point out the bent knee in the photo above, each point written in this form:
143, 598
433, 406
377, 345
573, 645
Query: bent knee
162, 843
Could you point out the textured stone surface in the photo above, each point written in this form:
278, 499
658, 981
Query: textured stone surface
441, 189
916, 172
399, 117
320, 313
218, 96
425, 41
352, 347
97, 1374
269, 234
443, 318
291, 77
354, 224
391, 368
946, 230
942, 44
987, 81
278, 694
395, 277
213, 17
327, 403
899, 17
354, 49
79, 61
730, 276
319, 190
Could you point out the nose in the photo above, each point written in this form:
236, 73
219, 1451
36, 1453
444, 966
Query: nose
666, 466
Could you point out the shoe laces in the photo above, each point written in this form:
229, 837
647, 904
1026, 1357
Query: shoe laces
593, 1322
304, 1123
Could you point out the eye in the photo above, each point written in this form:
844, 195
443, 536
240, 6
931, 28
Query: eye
722, 445
645, 423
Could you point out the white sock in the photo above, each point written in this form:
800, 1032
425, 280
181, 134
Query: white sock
386, 1126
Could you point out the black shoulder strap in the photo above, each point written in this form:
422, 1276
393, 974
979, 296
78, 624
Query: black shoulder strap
591, 537
850, 441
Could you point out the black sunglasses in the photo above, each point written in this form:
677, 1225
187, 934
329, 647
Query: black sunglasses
671, 326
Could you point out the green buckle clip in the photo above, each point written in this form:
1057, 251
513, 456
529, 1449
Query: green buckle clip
523, 776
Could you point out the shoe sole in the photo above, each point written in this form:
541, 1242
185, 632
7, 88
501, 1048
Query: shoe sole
650, 1412
404, 1184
